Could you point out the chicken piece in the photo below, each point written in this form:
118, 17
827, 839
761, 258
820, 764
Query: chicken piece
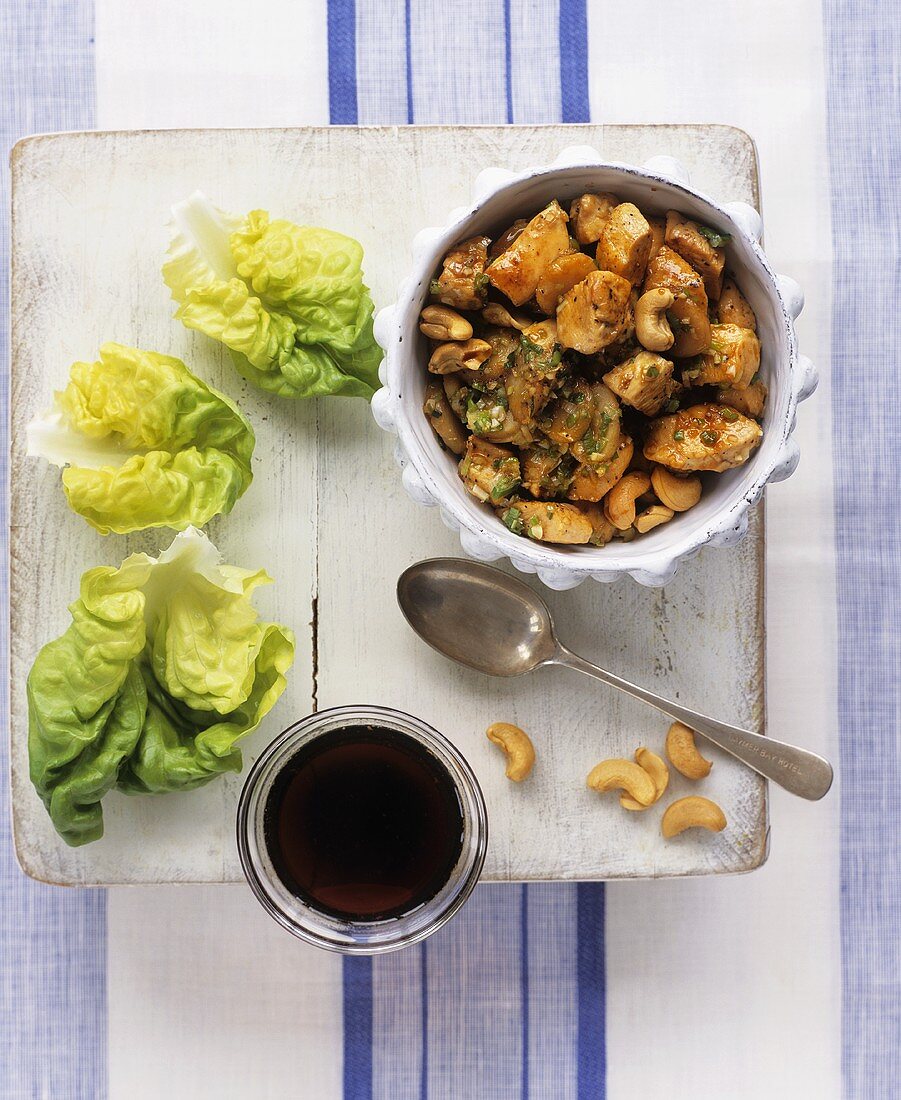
443, 419
503, 342
625, 243
602, 530
559, 276
732, 360
546, 470
588, 215
702, 437
518, 269
486, 413
657, 227
600, 442
490, 473
593, 482
569, 417
531, 377
751, 401
488, 416
733, 308
594, 313
688, 313
462, 283
689, 240
548, 521
645, 381
507, 238
457, 393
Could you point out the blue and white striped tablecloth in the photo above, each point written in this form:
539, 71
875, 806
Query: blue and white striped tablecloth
786, 983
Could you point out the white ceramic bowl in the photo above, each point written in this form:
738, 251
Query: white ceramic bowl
430, 474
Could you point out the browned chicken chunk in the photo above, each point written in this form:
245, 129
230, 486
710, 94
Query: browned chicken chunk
689, 240
462, 283
702, 437
593, 482
548, 521
625, 243
751, 401
588, 215
733, 308
517, 270
594, 313
732, 359
688, 313
443, 419
490, 473
530, 379
644, 381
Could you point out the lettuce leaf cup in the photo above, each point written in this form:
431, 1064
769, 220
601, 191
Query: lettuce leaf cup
287, 300
164, 668
143, 442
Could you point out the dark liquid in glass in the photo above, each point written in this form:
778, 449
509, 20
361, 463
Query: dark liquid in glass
364, 823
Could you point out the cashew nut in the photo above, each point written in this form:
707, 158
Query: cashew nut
517, 746
674, 492
683, 752
497, 314
656, 769
443, 323
693, 812
651, 326
619, 503
469, 355
615, 775
652, 517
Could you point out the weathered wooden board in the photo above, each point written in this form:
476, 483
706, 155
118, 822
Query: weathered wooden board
327, 515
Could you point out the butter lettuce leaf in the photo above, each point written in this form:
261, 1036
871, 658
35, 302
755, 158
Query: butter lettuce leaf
164, 668
144, 443
288, 301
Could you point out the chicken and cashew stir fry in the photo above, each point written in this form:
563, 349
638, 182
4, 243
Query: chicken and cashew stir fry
587, 367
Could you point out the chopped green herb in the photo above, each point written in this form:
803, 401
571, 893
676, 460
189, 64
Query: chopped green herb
671, 405
436, 413
512, 518
709, 437
715, 238
651, 372
729, 415
503, 487
678, 435
434, 287
480, 283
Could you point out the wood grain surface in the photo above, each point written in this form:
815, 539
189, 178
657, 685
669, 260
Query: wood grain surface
328, 517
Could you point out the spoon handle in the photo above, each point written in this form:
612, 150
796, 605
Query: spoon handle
801, 772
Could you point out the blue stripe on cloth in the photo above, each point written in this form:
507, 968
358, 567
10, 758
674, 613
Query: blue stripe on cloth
863, 44
509, 998
342, 62
357, 975
524, 985
592, 1059
574, 60
52, 941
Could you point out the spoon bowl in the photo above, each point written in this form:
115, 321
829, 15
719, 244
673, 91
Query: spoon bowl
477, 616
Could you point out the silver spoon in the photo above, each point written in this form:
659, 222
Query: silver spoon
495, 624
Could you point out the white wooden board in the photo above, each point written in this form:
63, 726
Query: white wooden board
327, 516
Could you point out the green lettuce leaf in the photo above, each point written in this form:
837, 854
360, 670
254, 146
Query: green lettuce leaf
163, 669
144, 443
288, 301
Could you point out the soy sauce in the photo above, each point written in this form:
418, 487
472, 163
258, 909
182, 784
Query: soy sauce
364, 823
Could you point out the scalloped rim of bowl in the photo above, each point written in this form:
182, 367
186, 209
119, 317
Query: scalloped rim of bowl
482, 535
